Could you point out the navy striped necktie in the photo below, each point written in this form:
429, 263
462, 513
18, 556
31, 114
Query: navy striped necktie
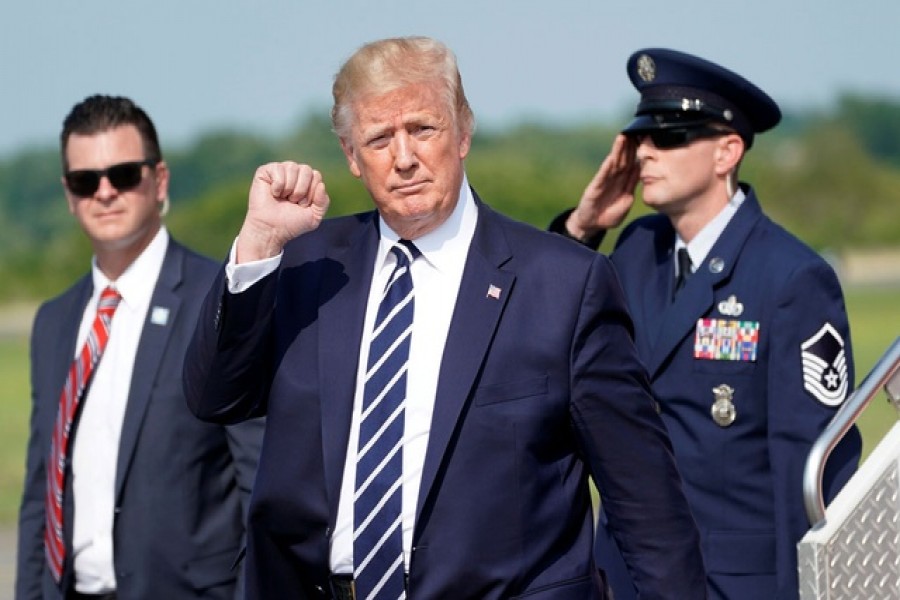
377, 530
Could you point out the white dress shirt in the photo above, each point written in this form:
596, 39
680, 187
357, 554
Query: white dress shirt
436, 278
95, 449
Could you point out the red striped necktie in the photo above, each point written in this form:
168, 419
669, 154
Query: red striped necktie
76, 383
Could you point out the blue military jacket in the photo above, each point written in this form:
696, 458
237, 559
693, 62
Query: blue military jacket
749, 363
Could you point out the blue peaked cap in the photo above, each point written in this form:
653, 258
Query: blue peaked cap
681, 90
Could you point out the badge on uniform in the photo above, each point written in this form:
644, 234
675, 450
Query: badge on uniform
722, 410
825, 366
731, 307
726, 339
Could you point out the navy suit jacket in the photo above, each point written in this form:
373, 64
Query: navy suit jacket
744, 481
539, 388
182, 485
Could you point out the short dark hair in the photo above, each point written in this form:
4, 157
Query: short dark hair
99, 113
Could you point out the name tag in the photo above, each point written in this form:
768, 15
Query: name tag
726, 339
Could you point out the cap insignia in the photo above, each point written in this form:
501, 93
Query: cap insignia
646, 68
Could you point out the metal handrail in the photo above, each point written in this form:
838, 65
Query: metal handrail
886, 374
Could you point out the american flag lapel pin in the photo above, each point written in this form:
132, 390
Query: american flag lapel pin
493, 292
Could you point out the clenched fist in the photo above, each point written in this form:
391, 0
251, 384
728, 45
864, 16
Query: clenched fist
286, 200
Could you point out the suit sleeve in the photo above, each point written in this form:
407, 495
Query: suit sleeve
628, 449
558, 225
810, 374
227, 369
30, 553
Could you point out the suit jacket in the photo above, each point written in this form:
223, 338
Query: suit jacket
538, 388
181, 485
744, 480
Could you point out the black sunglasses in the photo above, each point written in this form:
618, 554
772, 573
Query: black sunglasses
664, 139
123, 176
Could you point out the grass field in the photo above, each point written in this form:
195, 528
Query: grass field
14, 413
875, 323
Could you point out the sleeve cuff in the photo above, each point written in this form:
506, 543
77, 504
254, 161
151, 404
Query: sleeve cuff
242, 276
558, 225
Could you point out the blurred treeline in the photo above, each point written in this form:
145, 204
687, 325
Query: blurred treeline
832, 178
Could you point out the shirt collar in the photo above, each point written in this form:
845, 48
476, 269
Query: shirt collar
703, 242
137, 282
450, 240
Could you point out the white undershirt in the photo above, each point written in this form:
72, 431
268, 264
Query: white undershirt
95, 450
436, 278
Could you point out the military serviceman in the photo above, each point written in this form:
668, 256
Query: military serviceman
745, 333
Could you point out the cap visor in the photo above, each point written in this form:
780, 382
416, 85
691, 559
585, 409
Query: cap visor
666, 121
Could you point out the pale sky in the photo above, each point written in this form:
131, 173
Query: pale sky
262, 65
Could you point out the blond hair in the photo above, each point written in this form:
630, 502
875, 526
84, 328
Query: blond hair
385, 65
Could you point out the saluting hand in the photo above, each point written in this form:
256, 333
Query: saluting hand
287, 199
610, 194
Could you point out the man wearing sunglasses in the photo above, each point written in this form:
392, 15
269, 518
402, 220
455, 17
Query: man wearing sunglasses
127, 495
742, 327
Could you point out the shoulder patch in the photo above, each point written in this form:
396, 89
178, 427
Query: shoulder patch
825, 366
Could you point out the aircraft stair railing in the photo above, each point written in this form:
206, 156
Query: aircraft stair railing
852, 551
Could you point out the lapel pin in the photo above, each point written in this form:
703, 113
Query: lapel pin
159, 315
716, 265
493, 292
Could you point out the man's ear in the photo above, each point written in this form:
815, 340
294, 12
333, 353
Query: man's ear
729, 152
465, 144
162, 180
70, 198
347, 147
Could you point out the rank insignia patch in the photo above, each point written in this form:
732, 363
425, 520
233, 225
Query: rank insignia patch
825, 366
726, 339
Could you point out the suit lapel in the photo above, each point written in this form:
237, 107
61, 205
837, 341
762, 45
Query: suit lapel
654, 295
341, 319
475, 318
153, 342
678, 317
64, 347
62, 352
694, 301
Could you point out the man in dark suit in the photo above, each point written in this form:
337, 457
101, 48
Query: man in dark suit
151, 500
518, 377
745, 338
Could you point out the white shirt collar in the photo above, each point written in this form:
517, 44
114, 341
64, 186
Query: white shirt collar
137, 282
703, 242
449, 240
